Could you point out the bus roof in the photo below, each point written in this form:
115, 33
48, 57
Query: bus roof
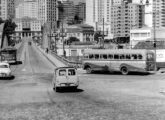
106, 51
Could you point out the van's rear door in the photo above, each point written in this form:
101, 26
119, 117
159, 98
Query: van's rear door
72, 76
62, 77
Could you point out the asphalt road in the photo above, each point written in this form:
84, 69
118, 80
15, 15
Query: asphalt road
29, 95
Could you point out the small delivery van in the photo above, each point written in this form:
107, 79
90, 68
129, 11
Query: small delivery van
65, 77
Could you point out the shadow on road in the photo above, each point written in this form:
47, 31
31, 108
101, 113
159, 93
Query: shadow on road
119, 73
70, 90
8, 78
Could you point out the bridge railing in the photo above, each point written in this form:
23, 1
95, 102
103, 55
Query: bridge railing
66, 61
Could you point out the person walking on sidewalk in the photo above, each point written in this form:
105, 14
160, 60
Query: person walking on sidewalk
47, 50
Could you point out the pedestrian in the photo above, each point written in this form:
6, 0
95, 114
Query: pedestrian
47, 50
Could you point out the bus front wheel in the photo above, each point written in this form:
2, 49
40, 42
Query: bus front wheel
124, 70
88, 70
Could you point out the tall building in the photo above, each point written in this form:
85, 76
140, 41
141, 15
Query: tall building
148, 11
11, 8
3, 9
68, 11
80, 10
100, 15
48, 12
114, 17
29, 8
126, 16
27, 27
159, 10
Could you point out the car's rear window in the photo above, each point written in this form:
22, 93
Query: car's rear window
3, 66
62, 72
71, 72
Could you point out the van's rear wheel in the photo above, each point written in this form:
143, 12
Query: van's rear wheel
124, 70
88, 70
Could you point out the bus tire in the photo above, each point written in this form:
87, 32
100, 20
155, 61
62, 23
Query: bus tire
88, 70
124, 71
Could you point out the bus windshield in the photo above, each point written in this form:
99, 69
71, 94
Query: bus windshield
150, 57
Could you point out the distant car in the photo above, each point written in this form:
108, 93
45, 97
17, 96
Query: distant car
30, 43
65, 77
5, 70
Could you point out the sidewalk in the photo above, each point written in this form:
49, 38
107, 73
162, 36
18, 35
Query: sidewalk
51, 58
55, 61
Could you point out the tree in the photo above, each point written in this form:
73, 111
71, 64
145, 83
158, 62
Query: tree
77, 19
1, 20
72, 39
8, 30
96, 36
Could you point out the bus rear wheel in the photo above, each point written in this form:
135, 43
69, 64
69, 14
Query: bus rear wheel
88, 70
124, 70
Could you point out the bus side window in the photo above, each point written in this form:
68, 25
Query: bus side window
86, 56
96, 56
110, 56
104, 56
128, 57
140, 57
134, 56
122, 56
101, 56
91, 56
116, 56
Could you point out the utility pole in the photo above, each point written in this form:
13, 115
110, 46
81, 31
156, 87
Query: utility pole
63, 47
50, 32
154, 37
103, 33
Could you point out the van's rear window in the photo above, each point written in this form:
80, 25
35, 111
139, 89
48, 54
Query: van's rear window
71, 72
62, 72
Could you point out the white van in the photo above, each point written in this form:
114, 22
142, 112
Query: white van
65, 77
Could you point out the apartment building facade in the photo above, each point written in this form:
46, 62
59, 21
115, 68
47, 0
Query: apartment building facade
27, 27
100, 13
29, 8
68, 12
115, 17
80, 10
126, 16
11, 8
3, 10
48, 12
159, 13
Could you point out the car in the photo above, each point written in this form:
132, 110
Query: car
5, 70
65, 77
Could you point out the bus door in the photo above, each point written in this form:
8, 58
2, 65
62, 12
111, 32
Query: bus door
150, 62
105, 62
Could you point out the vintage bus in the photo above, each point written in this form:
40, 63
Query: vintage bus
123, 60
9, 55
